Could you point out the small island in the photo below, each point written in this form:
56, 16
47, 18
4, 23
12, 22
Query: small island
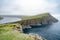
14, 30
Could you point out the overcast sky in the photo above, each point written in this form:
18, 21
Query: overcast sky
29, 7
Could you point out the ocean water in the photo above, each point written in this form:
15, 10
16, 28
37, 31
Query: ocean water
50, 32
9, 19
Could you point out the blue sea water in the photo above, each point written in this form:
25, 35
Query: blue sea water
50, 32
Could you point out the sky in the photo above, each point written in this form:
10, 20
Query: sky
29, 7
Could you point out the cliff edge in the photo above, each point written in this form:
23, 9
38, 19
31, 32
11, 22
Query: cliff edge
44, 18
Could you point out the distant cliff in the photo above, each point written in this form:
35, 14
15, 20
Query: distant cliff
44, 18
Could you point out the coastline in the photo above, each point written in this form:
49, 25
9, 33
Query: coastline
42, 19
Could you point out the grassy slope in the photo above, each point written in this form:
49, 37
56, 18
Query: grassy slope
7, 33
36, 16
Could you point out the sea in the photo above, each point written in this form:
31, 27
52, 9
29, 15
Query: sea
7, 19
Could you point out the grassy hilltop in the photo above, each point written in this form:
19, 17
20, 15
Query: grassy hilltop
35, 16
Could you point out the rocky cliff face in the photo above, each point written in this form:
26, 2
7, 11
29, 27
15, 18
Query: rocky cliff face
47, 19
36, 36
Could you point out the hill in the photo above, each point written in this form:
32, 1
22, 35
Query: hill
44, 18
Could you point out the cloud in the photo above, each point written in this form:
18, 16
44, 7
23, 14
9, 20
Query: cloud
27, 7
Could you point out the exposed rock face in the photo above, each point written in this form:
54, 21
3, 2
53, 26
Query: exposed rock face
44, 20
36, 36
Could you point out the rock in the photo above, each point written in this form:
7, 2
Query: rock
36, 36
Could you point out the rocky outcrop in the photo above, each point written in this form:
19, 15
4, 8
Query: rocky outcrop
36, 36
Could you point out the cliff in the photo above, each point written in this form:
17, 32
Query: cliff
44, 18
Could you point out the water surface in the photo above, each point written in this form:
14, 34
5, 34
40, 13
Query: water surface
9, 19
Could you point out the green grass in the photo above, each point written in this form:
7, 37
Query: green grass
14, 35
7, 33
36, 16
7, 27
